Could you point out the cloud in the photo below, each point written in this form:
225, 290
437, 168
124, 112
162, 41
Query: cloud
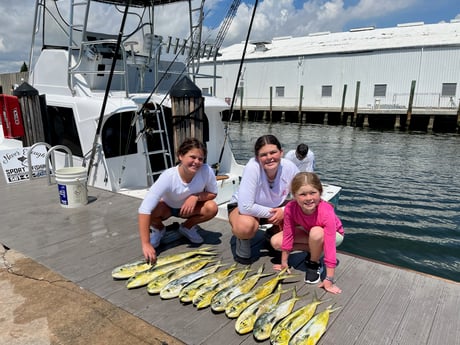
274, 18
282, 18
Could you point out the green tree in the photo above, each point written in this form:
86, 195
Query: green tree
24, 68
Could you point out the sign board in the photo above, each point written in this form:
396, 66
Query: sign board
16, 166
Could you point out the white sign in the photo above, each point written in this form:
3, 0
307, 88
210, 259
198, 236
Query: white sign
16, 166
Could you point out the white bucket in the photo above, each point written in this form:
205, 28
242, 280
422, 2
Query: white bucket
72, 188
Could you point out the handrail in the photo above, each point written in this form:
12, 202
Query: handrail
29, 154
53, 160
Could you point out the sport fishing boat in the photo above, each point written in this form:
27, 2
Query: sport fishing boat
120, 104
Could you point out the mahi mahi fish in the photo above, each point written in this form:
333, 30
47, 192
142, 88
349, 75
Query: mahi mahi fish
128, 270
203, 297
155, 286
241, 302
188, 292
314, 329
265, 322
174, 287
143, 278
286, 328
221, 299
245, 322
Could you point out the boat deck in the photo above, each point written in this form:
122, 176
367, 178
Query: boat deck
380, 304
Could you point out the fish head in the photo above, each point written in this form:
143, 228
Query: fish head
243, 326
281, 338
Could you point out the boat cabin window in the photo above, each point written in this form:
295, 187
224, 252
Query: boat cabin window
118, 137
60, 129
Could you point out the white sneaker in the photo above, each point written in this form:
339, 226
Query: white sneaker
155, 236
191, 234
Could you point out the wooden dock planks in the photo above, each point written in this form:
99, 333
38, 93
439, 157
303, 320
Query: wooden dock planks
380, 304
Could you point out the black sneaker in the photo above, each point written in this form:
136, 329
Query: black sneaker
313, 273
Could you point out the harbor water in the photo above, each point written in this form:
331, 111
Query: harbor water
400, 202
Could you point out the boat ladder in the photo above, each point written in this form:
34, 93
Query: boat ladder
155, 140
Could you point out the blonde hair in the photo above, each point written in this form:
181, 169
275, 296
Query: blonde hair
304, 178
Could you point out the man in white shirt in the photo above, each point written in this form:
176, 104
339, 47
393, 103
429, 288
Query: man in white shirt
302, 157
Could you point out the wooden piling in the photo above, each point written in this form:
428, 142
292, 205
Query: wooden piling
342, 107
355, 112
299, 114
187, 111
29, 101
409, 106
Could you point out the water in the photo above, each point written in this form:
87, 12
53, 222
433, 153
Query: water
400, 202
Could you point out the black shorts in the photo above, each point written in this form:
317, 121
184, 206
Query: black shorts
231, 206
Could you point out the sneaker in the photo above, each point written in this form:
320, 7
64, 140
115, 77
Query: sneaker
313, 273
156, 236
191, 234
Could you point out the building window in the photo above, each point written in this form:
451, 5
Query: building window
380, 90
279, 91
449, 89
326, 91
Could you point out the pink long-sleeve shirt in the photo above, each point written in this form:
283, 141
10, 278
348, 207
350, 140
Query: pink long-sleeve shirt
324, 216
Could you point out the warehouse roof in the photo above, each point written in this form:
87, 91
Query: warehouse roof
356, 40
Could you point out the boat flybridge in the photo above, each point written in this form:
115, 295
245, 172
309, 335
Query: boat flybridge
122, 103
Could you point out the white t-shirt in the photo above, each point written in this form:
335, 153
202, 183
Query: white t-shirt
173, 191
255, 196
307, 164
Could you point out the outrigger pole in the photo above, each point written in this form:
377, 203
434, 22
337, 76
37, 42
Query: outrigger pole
107, 89
236, 84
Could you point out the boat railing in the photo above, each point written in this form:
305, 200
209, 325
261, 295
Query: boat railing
29, 157
86, 46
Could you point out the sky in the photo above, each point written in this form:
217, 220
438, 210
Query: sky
274, 18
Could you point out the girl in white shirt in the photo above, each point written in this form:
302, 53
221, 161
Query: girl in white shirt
187, 191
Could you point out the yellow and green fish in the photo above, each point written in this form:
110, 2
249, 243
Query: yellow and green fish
155, 286
174, 287
313, 329
128, 270
145, 277
221, 299
265, 322
245, 321
287, 327
203, 297
188, 292
241, 302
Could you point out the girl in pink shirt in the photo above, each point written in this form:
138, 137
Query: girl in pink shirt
310, 224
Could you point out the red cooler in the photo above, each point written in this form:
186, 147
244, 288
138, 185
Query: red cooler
11, 117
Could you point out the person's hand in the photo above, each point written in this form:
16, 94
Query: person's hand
277, 216
188, 206
149, 253
280, 267
330, 287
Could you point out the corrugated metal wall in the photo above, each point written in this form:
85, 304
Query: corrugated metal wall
397, 68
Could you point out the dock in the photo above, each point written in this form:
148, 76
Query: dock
380, 304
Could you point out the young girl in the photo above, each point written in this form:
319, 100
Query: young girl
186, 191
310, 224
262, 192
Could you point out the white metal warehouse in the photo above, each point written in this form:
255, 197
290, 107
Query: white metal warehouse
376, 66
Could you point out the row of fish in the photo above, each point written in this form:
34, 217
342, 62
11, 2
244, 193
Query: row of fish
194, 277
